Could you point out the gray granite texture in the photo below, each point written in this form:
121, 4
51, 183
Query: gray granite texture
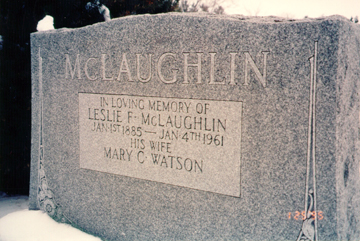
285, 90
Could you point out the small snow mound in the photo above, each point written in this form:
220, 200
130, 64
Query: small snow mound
47, 23
35, 226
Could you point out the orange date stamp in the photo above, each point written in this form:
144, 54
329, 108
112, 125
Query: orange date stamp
297, 215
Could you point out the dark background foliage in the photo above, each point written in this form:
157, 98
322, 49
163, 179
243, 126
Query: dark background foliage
19, 18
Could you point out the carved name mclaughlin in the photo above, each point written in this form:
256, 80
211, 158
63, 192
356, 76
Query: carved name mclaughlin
167, 68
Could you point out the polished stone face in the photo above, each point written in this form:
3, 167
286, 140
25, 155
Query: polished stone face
184, 142
199, 127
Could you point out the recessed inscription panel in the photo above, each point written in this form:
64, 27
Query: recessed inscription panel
183, 142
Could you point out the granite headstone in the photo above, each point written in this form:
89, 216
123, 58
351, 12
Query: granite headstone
199, 127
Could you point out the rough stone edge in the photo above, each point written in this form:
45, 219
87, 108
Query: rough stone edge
34, 184
41, 196
234, 17
347, 131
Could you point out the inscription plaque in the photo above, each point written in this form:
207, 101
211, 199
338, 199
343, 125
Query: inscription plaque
184, 142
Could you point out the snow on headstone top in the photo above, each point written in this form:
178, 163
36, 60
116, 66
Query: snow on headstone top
47, 23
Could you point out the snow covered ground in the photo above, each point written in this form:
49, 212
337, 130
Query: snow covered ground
17, 223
